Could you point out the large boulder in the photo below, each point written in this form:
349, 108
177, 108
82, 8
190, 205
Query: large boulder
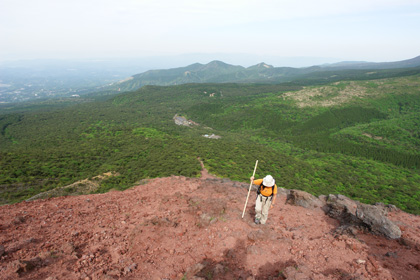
342, 208
354, 213
304, 199
375, 219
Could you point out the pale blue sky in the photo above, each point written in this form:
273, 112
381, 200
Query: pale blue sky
369, 30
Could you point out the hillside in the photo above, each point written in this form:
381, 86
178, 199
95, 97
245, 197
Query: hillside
356, 138
413, 62
191, 228
220, 72
75, 81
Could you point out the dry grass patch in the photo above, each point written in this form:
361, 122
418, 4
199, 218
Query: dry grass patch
332, 95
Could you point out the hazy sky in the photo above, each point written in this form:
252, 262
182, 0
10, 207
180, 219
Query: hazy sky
370, 30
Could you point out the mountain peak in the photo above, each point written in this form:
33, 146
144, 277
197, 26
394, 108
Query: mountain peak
261, 65
218, 71
217, 64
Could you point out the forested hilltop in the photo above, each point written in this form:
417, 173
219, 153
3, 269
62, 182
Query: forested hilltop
220, 72
359, 138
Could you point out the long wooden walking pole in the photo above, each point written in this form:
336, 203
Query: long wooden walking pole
250, 185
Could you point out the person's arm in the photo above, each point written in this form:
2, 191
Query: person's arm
274, 201
256, 181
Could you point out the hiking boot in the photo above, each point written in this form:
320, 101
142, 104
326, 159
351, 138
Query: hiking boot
257, 221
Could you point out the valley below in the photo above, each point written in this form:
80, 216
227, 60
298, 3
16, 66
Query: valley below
146, 179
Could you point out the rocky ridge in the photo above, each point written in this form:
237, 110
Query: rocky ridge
191, 228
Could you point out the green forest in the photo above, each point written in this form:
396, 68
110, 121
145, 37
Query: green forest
359, 138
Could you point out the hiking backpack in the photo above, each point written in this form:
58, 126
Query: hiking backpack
263, 187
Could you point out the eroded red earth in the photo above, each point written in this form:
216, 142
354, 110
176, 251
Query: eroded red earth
183, 228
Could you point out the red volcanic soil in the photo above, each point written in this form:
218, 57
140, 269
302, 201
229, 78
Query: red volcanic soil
183, 228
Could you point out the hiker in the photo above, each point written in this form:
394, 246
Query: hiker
266, 197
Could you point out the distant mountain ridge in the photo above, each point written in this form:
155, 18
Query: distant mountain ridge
221, 72
413, 62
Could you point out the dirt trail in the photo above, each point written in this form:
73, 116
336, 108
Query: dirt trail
204, 173
183, 228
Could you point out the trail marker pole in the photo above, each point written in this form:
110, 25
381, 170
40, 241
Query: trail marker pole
250, 185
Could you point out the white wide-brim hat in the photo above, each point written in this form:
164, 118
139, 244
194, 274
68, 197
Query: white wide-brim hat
268, 181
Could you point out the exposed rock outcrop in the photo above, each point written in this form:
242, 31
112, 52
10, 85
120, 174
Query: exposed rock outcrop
180, 120
349, 212
373, 217
304, 199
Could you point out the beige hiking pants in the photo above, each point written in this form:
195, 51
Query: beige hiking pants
262, 205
